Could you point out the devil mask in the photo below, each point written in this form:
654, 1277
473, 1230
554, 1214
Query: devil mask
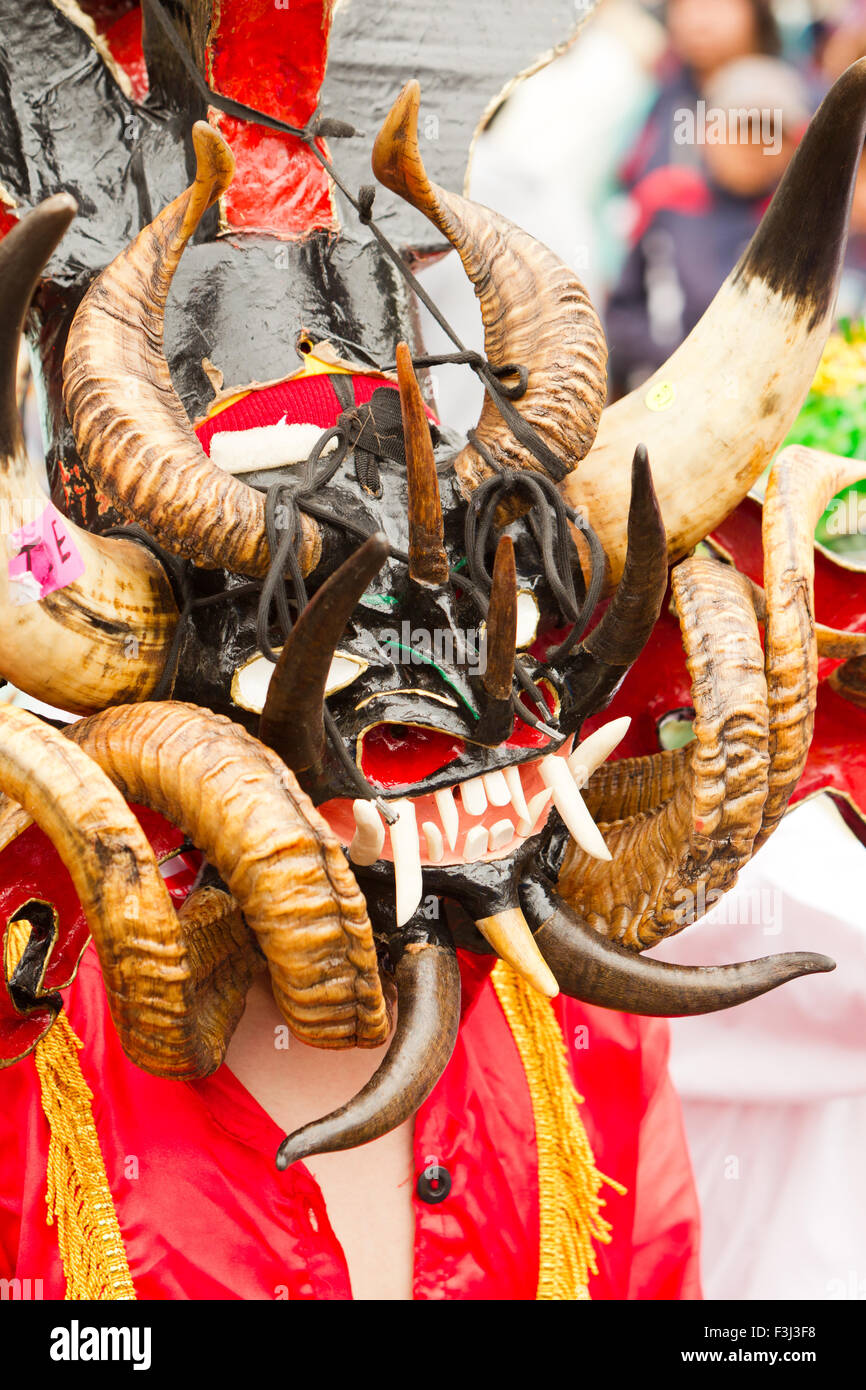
354, 673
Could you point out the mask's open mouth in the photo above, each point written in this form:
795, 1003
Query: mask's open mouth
479, 818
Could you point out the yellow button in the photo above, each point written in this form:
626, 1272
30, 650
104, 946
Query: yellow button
661, 396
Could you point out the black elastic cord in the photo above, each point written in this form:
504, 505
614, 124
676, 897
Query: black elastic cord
551, 533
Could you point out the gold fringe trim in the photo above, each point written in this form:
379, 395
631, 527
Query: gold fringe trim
569, 1184
77, 1195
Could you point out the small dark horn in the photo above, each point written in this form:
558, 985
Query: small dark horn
603, 658
428, 562
591, 968
292, 721
502, 623
428, 1012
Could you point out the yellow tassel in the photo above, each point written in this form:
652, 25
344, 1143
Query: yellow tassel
569, 1184
77, 1194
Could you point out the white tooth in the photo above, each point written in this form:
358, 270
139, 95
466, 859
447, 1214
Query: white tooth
556, 774
448, 814
518, 796
369, 838
407, 860
501, 833
536, 806
596, 749
496, 788
474, 796
475, 844
435, 843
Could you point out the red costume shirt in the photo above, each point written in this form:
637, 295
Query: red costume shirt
208, 1216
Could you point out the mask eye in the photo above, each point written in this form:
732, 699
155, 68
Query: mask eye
527, 618
399, 755
676, 728
250, 682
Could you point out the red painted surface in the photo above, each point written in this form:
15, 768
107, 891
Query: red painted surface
399, 755
273, 59
123, 37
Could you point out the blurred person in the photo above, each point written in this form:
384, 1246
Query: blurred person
704, 36
590, 103
692, 224
845, 43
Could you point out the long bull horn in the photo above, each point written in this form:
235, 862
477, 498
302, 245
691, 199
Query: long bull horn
104, 636
589, 967
715, 414
280, 860
427, 979
128, 420
536, 313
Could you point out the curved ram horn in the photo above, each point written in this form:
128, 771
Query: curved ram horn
428, 562
128, 420
625, 788
658, 800
536, 312
292, 720
428, 1013
106, 635
664, 862
801, 483
279, 858
203, 962
595, 670
849, 681
597, 971
715, 414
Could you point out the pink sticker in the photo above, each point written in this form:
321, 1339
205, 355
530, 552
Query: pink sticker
44, 558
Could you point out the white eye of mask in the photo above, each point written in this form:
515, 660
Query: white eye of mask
527, 618
250, 682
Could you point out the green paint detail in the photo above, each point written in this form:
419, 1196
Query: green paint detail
419, 657
381, 602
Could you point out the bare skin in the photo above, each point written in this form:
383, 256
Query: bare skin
367, 1191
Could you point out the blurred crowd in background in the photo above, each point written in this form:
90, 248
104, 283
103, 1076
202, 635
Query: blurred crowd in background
631, 156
